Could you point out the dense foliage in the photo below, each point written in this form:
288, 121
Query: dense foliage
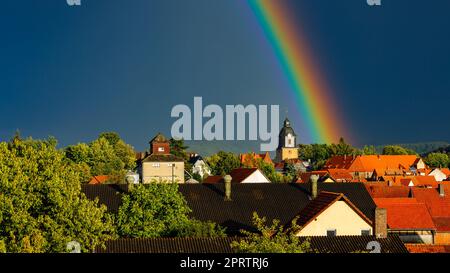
160, 210
271, 239
107, 155
397, 150
437, 160
223, 163
42, 208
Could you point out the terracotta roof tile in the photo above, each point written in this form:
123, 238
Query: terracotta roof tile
384, 191
421, 248
406, 215
99, 179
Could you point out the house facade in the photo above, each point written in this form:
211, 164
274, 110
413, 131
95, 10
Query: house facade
159, 165
332, 214
199, 165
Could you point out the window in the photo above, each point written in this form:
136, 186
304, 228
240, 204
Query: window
365, 232
331, 232
160, 149
156, 165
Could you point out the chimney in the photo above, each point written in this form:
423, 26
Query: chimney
441, 190
380, 223
227, 178
314, 178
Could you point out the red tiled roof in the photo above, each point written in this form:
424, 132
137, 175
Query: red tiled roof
406, 214
421, 248
340, 162
446, 171
340, 175
238, 175
425, 181
442, 223
99, 179
437, 205
369, 163
392, 201
384, 191
304, 177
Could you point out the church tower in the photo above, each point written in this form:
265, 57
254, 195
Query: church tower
287, 143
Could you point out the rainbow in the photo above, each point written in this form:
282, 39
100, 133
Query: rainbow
312, 97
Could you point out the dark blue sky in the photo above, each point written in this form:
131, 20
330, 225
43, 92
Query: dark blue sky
73, 72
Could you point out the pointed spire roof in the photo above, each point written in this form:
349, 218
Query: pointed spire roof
287, 129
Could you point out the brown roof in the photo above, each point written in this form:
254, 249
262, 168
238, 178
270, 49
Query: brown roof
272, 200
213, 179
162, 158
159, 138
108, 195
238, 175
321, 244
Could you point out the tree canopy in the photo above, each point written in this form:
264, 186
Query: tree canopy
42, 208
223, 163
437, 160
107, 155
271, 239
397, 150
160, 210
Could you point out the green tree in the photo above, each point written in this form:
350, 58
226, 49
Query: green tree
342, 148
369, 150
178, 148
223, 163
271, 239
112, 137
397, 150
268, 170
437, 160
160, 210
107, 155
317, 154
42, 208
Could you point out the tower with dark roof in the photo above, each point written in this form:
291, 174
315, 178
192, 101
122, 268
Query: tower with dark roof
287, 143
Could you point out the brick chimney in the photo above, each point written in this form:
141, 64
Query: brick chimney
314, 179
380, 223
227, 179
441, 190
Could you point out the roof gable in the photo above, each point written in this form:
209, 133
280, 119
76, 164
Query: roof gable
321, 203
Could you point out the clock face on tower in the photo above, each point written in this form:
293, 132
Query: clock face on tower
289, 141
